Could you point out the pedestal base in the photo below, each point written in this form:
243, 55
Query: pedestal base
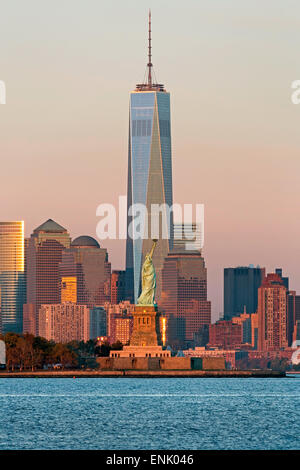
146, 331
145, 339
141, 351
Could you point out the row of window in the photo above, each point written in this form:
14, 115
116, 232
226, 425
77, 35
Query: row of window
164, 126
143, 127
146, 355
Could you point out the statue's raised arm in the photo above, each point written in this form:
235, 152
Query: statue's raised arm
153, 248
148, 279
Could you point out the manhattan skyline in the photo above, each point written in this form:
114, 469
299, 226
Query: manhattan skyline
234, 129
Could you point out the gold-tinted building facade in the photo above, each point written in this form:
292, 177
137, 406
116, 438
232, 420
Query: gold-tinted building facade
68, 289
12, 276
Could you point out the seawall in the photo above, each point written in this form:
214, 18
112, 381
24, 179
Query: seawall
144, 374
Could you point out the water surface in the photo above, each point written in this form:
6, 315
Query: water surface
162, 413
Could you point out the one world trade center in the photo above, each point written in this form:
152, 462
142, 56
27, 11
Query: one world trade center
149, 174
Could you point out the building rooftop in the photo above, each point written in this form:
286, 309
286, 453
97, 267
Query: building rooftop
50, 226
85, 241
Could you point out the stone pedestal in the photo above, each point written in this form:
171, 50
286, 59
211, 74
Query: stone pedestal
146, 331
145, 340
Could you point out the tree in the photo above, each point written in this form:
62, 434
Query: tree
242, 364
30, 352
103, 350
64, 356
117, 345
279, 364
12, 350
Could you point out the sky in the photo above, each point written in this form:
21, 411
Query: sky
69, 67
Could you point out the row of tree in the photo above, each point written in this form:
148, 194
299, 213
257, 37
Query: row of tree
264, 363
28, 352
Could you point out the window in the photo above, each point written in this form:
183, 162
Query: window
141, 127
164, 126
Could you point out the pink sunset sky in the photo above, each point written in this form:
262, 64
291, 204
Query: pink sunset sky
69, 67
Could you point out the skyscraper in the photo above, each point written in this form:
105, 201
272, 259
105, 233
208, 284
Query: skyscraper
293, 314
184, 296
12, 276
149, 173
43, 255
98, 325
119, 321
65, 322
285, 280
85, 273
117, 289
272, 314
241, 289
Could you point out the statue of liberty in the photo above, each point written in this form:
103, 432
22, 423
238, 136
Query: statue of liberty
148, 279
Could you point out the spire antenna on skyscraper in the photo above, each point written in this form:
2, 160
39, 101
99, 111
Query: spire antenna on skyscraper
149, 83
149, 53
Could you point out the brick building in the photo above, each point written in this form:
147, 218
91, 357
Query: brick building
184, 296
63, 323
119, 321
272, 314
225, 334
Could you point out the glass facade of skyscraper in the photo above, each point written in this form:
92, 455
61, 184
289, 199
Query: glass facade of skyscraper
43, 255
12, 276
149, 177
241, 290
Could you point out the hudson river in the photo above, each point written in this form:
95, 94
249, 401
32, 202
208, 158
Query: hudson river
103, 413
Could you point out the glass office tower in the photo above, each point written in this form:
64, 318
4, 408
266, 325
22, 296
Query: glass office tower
12, 276
43, 254
241, 289
149, 175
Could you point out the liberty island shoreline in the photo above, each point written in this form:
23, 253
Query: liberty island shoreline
146, 374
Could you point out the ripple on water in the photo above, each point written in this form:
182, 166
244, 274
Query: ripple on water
164, 413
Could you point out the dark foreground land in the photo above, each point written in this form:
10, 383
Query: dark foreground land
142, 373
